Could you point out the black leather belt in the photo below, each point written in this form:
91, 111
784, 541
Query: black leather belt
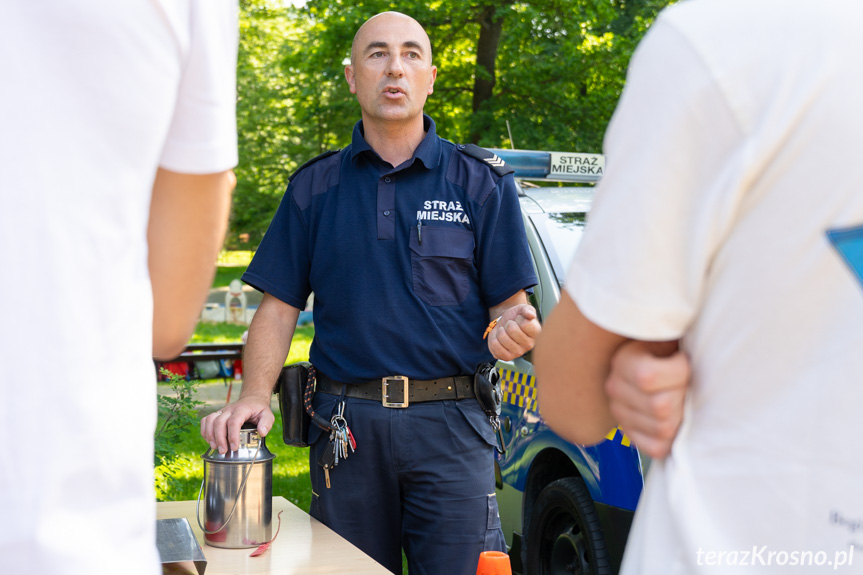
399, 391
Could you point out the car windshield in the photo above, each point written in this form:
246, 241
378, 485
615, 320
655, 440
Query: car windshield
560, 234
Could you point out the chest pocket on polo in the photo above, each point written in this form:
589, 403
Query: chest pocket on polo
441, 264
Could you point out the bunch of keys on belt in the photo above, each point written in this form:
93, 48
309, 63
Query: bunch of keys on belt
341, 439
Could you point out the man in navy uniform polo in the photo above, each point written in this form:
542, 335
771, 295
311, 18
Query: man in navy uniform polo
411, 244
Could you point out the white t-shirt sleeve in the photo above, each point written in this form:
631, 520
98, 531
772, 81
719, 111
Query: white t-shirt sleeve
674, 152
202, 138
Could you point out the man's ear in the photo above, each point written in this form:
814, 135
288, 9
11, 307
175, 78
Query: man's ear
433, 77
349, 76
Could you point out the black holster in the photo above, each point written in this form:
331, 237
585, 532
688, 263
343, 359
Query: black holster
295, 420
486, 385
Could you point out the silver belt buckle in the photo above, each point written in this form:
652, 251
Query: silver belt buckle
385, 384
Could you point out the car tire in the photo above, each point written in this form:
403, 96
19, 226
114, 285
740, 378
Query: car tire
564, 536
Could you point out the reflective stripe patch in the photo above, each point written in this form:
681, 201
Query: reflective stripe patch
613, 435
518, 389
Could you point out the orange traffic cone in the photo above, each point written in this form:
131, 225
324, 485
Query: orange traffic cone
493, 563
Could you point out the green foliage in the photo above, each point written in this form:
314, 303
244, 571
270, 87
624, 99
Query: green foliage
560, 67
177, 416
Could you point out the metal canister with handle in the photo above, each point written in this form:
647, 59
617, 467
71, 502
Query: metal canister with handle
238, 494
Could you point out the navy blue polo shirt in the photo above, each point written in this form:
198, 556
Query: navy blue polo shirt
404, 261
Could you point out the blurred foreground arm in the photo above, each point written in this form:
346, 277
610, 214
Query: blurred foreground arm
592, 380
188, 220
573, 360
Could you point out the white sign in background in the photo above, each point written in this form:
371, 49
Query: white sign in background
569, 164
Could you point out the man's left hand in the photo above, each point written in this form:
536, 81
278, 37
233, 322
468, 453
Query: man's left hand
515, 332
646, 390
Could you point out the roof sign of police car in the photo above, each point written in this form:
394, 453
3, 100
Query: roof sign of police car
556, 166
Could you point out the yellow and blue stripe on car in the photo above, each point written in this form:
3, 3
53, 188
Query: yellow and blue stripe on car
519, 389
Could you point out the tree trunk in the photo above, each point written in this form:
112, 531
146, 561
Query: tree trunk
490, 28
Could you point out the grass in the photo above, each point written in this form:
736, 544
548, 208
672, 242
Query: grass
213, 332
216, 332
234, 258
226, 274
182, 481
230, 266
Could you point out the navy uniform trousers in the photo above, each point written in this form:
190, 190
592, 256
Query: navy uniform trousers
422, 477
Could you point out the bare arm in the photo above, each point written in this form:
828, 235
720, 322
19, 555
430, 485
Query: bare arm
188, 219
572, 361
516, 331
592, 380
267, 347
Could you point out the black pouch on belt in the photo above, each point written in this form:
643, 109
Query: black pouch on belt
295, 420
486, 385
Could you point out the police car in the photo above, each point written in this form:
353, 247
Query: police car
564, 508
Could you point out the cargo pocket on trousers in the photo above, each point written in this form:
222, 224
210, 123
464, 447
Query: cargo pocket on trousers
493, 513
494, 540
441, 264
477, 420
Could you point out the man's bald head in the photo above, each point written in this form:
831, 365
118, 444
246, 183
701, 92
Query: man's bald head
360, 41
391, 72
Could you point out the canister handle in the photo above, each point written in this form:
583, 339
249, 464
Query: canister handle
236, 499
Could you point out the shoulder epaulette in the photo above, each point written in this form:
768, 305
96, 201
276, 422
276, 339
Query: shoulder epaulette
494, 161
326, 154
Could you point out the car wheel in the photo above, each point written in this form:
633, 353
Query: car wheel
564, 536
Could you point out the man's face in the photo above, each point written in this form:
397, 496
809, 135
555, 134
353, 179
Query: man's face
391, 71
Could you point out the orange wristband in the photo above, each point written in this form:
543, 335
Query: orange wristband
491, 326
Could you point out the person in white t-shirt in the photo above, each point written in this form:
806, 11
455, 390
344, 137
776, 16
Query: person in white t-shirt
731, 226
117, 140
